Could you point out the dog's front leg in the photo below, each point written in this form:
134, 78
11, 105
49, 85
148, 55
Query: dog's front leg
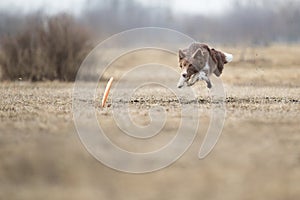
203, 76
193, 79
181, 82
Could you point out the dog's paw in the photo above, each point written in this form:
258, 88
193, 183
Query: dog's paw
180, 85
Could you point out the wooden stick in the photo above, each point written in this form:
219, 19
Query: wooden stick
106, 92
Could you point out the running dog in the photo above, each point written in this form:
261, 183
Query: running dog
198, 62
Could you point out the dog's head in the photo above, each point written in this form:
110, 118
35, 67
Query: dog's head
191, 63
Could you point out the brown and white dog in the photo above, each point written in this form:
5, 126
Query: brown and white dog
198, 62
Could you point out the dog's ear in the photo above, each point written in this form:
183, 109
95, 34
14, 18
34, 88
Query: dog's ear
181, 54
198, 53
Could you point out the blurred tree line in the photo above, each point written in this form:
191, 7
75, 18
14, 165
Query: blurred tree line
251, 22
248, 21
35, 46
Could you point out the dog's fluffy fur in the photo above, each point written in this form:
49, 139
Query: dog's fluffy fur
199, 61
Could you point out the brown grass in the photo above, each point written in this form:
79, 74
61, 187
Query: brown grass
257, 156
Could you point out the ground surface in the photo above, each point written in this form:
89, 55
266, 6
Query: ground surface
257, 156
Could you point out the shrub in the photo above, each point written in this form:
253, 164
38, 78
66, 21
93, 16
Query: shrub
47, 49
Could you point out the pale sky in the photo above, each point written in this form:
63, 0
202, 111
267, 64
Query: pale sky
75, 6
205, 7
49, 6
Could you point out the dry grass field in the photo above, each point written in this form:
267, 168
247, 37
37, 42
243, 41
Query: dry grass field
257, 156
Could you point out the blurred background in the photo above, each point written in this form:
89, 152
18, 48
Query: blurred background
47, 40
42, 45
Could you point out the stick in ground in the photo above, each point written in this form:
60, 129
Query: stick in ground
106, 92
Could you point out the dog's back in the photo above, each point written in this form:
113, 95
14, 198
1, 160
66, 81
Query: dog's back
214, 59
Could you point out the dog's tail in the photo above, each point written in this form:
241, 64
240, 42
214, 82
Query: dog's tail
228, 57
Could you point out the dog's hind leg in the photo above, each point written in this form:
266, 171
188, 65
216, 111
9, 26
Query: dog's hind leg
209, 85
217, 73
